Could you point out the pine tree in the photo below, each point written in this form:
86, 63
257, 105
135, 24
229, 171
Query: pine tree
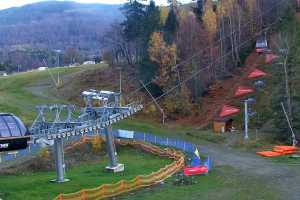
171, 26
151, 21
198, 10
134, 14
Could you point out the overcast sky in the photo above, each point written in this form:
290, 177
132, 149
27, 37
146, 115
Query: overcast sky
13, 3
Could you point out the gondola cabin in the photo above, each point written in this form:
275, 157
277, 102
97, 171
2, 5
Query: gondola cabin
261, 44
13, 133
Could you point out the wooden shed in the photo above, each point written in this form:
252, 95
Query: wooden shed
222, 125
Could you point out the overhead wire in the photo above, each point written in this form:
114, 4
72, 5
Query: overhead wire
211, 64
211, 47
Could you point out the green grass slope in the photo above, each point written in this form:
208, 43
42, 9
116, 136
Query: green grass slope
17, 93
37, 185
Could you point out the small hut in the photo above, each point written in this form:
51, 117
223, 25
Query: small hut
222, 125
223, 122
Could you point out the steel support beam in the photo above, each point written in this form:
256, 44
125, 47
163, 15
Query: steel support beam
114, 166
246, 137
59, 161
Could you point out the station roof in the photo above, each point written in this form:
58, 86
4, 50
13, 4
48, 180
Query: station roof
228, 110
11, 126
243, 90
256, 74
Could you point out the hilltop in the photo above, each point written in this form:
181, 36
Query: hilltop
54, 25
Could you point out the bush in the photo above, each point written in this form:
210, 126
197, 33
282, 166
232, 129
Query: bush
97, 143
44, 153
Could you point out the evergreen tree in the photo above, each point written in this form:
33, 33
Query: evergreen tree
171, 26
140, 22
151, 21
134, 13
198, 10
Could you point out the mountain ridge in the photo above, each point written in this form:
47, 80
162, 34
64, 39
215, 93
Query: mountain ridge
31, 11
33, 33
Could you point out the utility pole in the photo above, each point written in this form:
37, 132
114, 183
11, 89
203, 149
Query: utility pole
295, 142
156, 103
246, 137
58, 51
120, 85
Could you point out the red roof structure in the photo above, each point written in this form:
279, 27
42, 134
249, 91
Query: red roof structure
270, 57
256, 74
228, 110
243, 90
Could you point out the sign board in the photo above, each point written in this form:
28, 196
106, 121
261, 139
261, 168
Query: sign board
125, 134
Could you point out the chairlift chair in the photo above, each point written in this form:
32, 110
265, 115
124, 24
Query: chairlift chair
262, 44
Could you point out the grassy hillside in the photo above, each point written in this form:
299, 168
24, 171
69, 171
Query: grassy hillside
27, 185
20, 93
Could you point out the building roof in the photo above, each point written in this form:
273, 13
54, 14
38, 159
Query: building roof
256, 74
242, 91
229, 110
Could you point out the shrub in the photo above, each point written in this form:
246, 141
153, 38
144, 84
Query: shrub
97, 143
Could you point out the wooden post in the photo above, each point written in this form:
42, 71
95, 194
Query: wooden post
104, 190
123, 185
138, 181
83, 196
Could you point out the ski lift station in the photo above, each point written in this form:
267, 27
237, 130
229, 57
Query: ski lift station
55, 123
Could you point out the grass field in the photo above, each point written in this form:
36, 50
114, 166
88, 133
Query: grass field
37, 186
222, 183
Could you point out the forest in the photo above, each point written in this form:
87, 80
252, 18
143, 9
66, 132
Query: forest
178, 52
191, 45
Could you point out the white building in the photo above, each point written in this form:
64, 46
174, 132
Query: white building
89, 62
3, 73
42, 68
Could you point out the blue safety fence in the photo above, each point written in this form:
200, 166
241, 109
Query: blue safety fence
185, 146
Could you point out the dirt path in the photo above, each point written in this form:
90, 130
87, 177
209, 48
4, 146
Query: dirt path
283, 178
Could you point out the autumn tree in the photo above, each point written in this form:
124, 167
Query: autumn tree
210, 24
178, 102
164, 56
192, 38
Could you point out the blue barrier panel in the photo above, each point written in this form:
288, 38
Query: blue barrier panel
181, 145
138, 136
161, 141
150, 138
171, 142
115, 133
